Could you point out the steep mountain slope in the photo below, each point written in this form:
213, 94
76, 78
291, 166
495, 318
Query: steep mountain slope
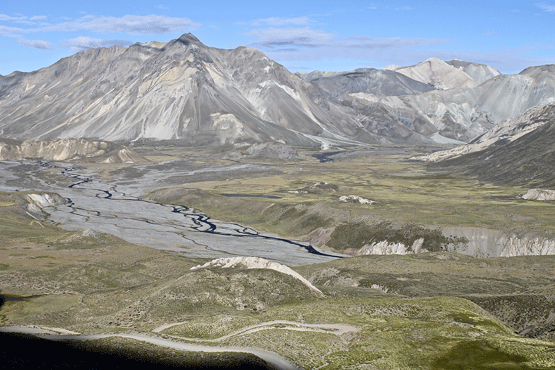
436, 72
371, 81
465, 113
517, 151
185, 91
180, 90
478, 72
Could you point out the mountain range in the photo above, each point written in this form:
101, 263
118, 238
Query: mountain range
193, 94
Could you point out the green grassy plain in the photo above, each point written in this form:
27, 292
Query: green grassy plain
302, 195
438, 310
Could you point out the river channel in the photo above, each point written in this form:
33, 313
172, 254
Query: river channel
94, 204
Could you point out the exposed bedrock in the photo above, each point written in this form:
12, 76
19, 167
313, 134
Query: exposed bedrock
495, 243
472, 241
66, 149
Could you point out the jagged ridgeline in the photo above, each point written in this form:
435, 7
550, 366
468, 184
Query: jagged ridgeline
194, 94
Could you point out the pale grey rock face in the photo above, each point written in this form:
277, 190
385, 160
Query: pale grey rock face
188, 92
66, 149
495, 243
466, 113
509, 130
371, 81
438, 73
518, 151
181, 90
539, 194
478, 72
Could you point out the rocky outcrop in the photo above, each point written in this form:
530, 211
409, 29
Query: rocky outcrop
272, 151
38, 201
539, 194
67, 149
385, 247
355, 199
496, 243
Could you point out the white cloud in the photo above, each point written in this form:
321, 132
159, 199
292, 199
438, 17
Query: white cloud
37, 44
128, 24
278, 21
546, 7
84, 42
4, 17
10, 31
22, 19
163, 7
404, 8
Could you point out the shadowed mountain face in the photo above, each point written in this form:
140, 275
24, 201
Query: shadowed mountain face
370, 81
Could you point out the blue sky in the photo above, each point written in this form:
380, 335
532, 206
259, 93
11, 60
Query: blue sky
301, 35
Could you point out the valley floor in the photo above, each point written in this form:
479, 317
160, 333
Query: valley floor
433, 310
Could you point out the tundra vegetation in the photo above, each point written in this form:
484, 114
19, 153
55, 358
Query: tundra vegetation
431, 310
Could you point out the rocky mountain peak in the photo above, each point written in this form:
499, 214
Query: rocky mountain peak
540, 72
188, 39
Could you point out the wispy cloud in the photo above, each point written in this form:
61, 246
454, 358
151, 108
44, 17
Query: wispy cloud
23, 19
286, 39
278, 21
296, 44
85, 42
404, 8
272, 38
128, 24
4, 17
363, 42
548, 7
37, 44
11, 31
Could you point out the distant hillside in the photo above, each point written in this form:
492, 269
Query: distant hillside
67, 149
518, 151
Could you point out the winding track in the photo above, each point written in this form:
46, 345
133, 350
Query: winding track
52, 334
